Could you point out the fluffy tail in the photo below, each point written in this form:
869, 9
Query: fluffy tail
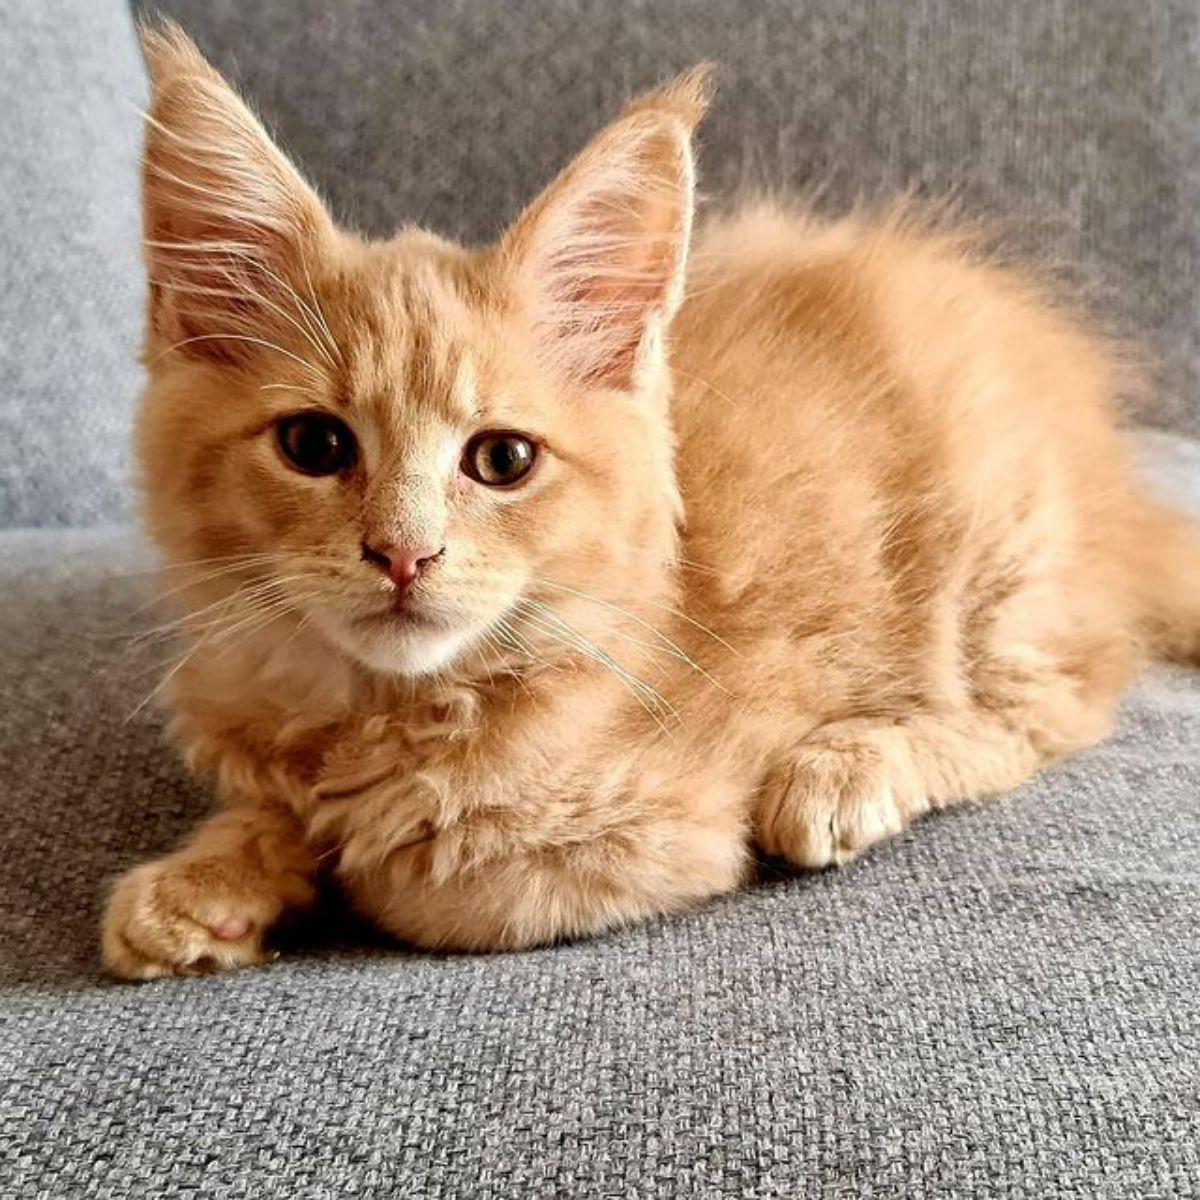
1168, 580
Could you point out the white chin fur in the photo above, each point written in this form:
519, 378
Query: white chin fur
408, 652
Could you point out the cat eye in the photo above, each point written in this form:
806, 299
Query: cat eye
498, 459
316, 443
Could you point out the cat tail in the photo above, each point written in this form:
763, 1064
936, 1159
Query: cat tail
1167, 562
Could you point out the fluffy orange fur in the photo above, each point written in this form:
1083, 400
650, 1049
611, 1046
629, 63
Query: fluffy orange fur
837, 532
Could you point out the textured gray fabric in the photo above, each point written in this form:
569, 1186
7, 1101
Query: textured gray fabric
70, 300
1001, 1003
1080, 119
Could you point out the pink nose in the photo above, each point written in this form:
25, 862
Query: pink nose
401, 564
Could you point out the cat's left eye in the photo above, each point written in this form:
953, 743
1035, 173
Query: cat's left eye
499, 459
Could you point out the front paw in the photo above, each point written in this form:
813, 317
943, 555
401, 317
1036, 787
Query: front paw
837, 795
185, 915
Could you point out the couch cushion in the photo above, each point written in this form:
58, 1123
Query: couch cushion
1001, 1002
1080, 121
71, 300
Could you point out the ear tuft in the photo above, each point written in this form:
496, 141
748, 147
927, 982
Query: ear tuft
688, 96
169, 52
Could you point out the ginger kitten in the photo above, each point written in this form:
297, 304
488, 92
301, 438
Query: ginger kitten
529, 587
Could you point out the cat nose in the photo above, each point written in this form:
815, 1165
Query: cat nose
401, 564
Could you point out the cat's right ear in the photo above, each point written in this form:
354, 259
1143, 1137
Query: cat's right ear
230, 226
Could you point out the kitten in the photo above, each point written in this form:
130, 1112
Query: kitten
529, 587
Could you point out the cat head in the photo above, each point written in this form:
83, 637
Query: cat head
415, 447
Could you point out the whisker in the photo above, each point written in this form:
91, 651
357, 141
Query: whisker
200, 580
237, 292
301, 625
319, 312
646, 697
497, 647
518, 642
716, 391
493, 639
675, 649
186, 564
162, 684
682, 616
243, 591
292, 387
312, 313
250, 255
241, 337
258, 620
251, 594
555, 627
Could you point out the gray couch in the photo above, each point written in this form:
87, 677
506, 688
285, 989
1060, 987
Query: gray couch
1002, 1003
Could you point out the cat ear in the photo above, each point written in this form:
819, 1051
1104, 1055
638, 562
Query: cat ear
229, 223
599, 257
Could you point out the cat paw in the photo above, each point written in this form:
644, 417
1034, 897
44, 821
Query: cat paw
835, 797
189, 916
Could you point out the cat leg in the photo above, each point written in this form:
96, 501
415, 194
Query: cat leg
477, 886
854, 783
208, 905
